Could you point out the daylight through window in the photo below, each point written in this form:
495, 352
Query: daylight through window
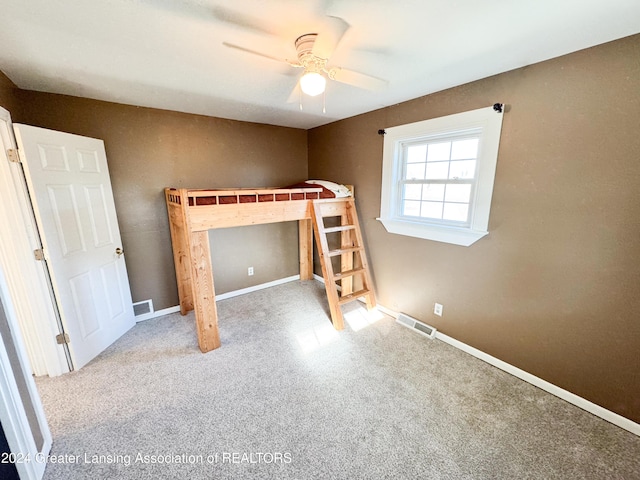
438, 180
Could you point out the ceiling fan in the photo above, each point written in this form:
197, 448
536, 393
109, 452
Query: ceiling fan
314, 51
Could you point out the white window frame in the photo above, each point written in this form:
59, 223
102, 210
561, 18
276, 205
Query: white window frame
488, 121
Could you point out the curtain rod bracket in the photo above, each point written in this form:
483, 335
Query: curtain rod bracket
382, 132
498, 107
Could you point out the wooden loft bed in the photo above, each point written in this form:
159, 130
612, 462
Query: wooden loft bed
193, 212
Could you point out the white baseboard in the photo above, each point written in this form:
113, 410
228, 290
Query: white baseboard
223, 296
572, 398
244, 291
157, 313
235, 293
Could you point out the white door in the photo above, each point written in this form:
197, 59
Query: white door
70, 188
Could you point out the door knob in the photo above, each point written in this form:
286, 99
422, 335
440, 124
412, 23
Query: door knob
119, 251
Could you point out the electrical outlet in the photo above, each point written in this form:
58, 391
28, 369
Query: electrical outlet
250, 271
437, 309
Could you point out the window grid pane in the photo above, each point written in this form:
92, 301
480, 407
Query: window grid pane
456, 212
464, 149
415, 171
439, 178
438, 152
416, 153
431, 210
411, 208
437, 171
457, 193
433, 192
439, 201
412, 191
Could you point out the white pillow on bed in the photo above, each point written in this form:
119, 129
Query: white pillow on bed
340, 191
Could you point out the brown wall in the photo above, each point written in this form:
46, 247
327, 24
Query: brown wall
555, 287
149, 150
9, 95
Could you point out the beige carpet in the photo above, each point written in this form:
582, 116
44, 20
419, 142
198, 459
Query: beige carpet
287, 397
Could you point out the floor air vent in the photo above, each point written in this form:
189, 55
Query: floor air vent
142, 308
416, 325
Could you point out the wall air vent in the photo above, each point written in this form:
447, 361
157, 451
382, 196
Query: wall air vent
416, 325
142, 308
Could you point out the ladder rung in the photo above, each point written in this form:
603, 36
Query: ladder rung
347, 273
352, 296
333, 253
341, 228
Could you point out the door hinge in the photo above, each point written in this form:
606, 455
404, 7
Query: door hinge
13, 156
39, 254
63, 338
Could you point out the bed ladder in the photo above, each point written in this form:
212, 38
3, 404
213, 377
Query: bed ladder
350, 250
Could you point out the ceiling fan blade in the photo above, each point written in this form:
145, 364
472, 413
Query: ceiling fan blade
359, 80
294, 96
201, 11
241, 20
328, 39
253, 52
184, 8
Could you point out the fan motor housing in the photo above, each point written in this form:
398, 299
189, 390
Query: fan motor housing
304, 44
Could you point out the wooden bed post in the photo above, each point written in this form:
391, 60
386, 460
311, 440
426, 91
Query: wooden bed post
194, 274
305, 233
178, 226
204, 296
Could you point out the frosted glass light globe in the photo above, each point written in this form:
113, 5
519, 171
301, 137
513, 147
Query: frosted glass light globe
313, 83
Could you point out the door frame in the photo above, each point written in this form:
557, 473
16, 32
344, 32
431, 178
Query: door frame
27, 278
30, 462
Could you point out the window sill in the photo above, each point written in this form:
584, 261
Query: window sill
453, 235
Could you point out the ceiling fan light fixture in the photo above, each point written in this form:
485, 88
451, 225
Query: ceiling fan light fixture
313, 83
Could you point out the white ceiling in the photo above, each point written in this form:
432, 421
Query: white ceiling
169, 53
